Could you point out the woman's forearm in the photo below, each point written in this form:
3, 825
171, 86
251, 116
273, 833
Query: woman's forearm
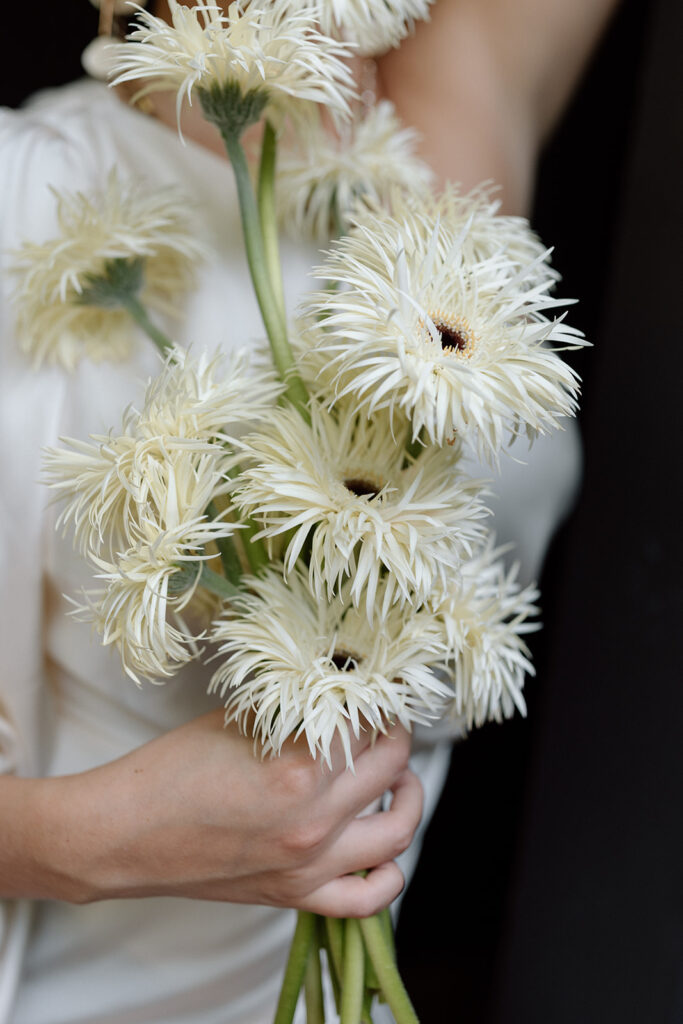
35, 839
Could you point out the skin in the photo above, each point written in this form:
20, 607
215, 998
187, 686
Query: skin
194, 813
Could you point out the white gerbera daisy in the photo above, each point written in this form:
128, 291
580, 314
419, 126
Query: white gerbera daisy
112, 483
298, 665
321, 181
373, 25
125, 222
484, 615
139, 609
207, 396
345, 483
461, 344
253, 56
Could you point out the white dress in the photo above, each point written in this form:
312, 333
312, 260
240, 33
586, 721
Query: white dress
65, 705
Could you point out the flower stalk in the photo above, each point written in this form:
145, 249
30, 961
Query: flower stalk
271, 309
138, 313
295, 970
353, 978
389, 978
268, 215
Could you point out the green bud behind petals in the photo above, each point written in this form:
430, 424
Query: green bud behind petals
231, 109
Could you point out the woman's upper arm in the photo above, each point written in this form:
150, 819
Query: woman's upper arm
484, 81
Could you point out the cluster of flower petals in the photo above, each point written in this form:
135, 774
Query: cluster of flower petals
169, 457
322, 176
138, 502
485, 614
371, 25
137, 608
123, 221
431, 316
345, 485
269, 47
295, 665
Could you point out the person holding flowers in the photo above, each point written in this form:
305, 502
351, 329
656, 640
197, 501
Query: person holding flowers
310, 514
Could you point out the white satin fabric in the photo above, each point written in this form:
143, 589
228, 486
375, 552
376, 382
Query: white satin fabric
65, 705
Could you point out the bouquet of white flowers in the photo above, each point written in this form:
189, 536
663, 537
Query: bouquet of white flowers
310, 507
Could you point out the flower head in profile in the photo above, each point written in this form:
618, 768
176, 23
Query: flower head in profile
485, 615
421, 322
371, 25
142, 230
140, 606
170, 456
345, 485
297, 665
207, 396
240, 62
326, 175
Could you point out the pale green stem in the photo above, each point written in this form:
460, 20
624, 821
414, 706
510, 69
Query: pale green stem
227, 551
388, 926
382, 958
334, 928
217, 584
296, 968
313, 983
268, 214
334, 970
255, 550
283, 356
354, 973
138, 312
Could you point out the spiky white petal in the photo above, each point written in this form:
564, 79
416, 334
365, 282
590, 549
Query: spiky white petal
137, 609
373, 25
485, 614
345, 484
207, 396
426, 320
324, 176
112, 483
302, 666
126, 220
267, 47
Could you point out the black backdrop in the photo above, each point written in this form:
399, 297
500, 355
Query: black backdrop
550, 886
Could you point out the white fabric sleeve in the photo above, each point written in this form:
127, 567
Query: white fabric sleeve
33, 155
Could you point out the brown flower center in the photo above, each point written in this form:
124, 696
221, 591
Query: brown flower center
345, 661
456, 335
362, 488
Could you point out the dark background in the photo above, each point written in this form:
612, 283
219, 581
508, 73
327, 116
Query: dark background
550, 889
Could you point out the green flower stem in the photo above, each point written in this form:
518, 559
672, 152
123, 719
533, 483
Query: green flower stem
268, 215
254, 550
296, 968
382, 958
334, 929
388, 926
275, 328
354, 973
137, 311
334, 973
227, 551
218, 584
313, 983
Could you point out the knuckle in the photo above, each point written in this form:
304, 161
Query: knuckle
294, 887
305, 839
300, 778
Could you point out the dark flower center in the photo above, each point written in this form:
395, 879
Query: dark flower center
451, 340
345, 661
361, 488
